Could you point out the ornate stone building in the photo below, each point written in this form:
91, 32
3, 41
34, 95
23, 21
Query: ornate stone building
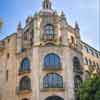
45, 60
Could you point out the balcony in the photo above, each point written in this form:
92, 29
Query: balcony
49, 37
20, 91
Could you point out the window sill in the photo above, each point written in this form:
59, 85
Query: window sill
50, 69
49, 37
24, 72
52, 89
26, 91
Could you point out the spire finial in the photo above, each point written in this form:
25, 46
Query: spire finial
47, 4
62, 13
19, 26
77, 26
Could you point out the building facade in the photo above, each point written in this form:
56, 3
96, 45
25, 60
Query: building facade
45, 60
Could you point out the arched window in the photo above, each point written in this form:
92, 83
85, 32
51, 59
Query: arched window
49, 44
54, 98
90, 62
72, 40
52, 61
76, 63
77, 82
25, 83
25, 65
86, 61
53, 80
49, 29
25, 99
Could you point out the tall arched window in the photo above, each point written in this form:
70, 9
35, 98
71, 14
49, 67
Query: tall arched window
25, 65
53, 80
90, 62
77, 81
25, 99
86, 61
54, 98
52, 61
25, 83
72, 40
49, 29
76, 63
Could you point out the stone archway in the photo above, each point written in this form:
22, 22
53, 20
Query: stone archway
54, 98
25, 99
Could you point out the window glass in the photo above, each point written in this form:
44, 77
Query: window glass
53, 80
25, 83
76, 63
86, 61
52, 61
54, 98
49, 30
25, 65
77, 81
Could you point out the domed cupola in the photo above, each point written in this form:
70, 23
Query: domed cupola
46, 8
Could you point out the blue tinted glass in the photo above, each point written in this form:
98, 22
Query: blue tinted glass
52, 61
76, 62
25, 65
25, 83
53, 80
49, 29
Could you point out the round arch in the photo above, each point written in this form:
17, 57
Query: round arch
76, 63
54, 98
53, 80
25, 99
49, 29
25, 83
52, 60
25, 65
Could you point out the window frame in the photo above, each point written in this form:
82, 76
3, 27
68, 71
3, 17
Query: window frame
76, 64
52, 61
24, 66
25, 83
52, 80
49, 29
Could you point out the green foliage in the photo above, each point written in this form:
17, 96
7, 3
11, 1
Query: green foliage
90, 89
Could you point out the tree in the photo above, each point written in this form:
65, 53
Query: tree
90, 89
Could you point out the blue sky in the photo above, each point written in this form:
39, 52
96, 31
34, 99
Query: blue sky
86, 12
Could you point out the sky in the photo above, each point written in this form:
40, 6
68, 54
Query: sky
85, 12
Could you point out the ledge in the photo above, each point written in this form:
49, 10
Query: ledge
21, 92
52, 89
52, 69
24, 72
